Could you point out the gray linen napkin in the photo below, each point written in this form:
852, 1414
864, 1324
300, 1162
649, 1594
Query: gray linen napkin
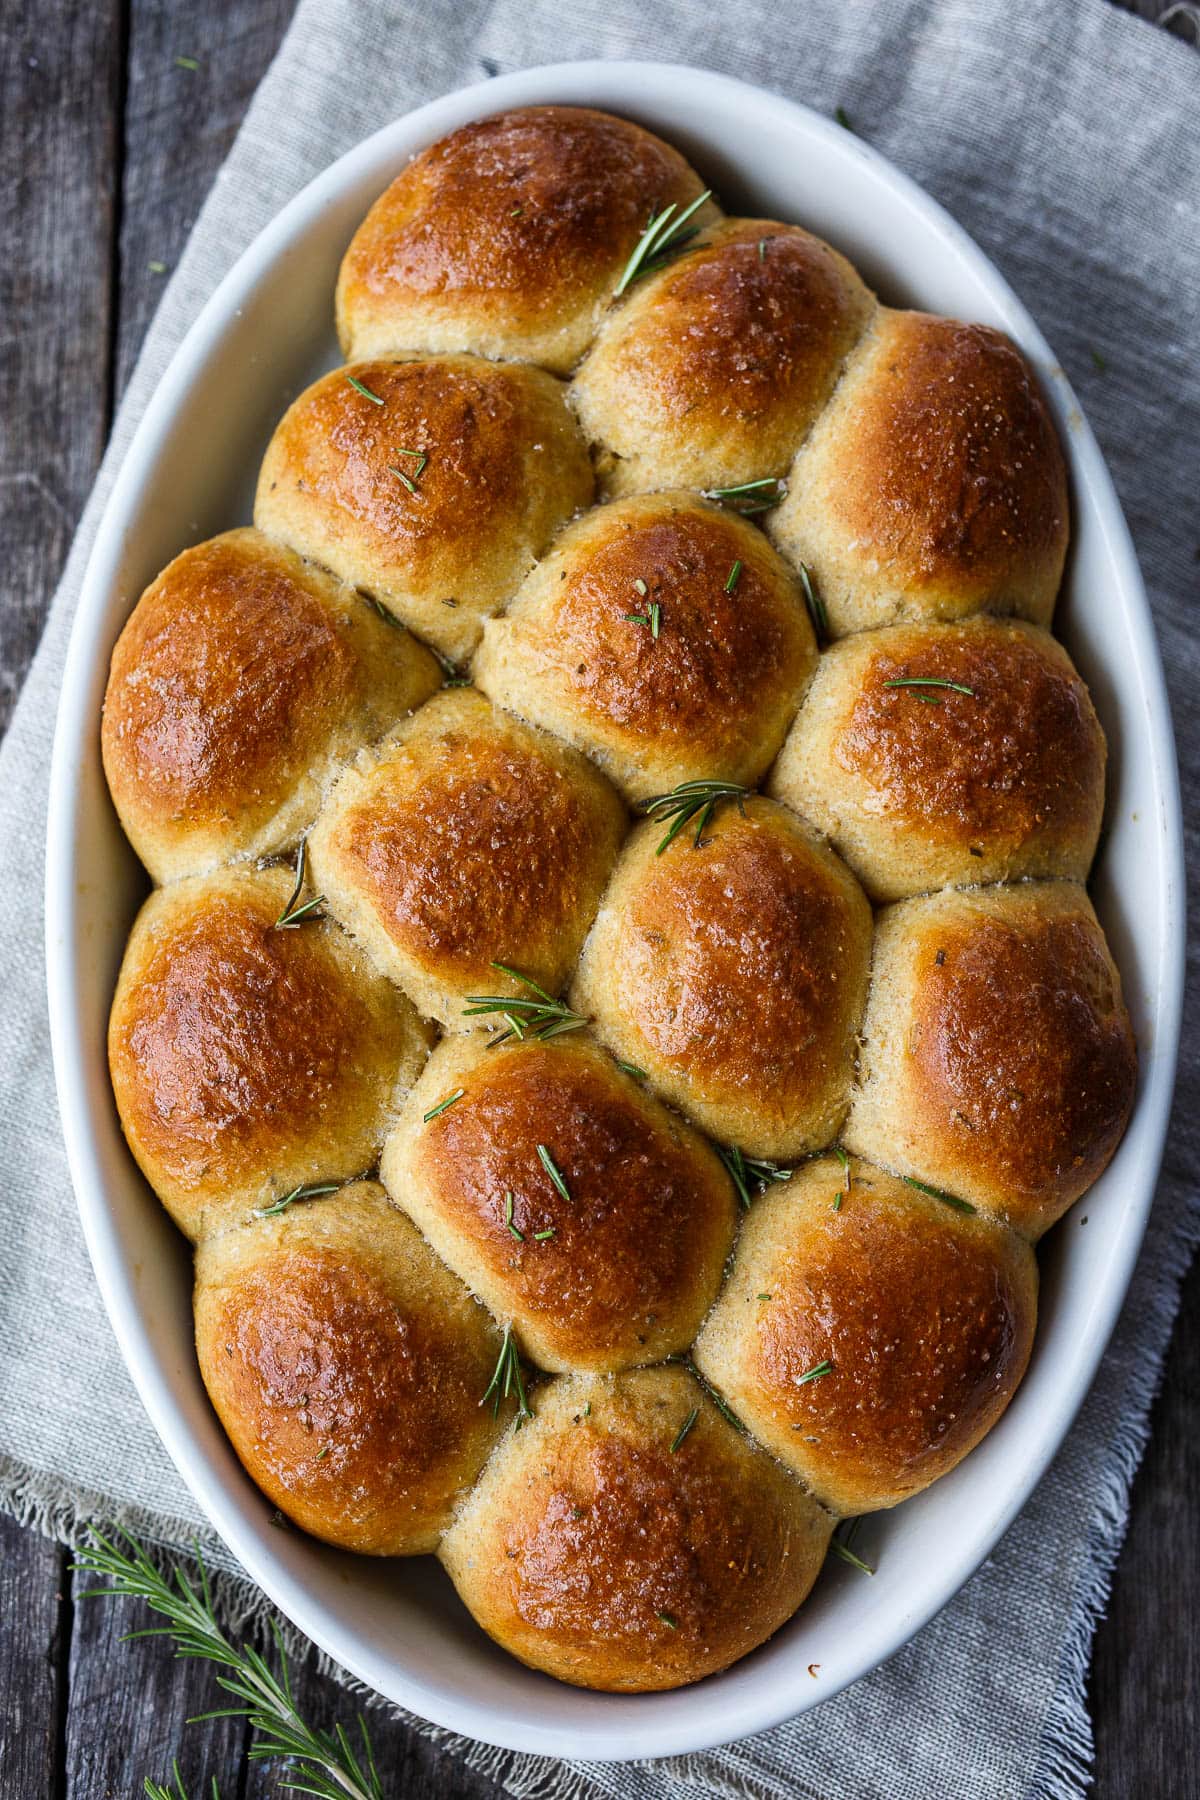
1065, 138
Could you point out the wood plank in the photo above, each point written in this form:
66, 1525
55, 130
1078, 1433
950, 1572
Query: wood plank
36, 1618
59, 81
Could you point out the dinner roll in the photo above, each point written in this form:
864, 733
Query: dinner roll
869, 1334
508, 237
998, 1061
243, 677
249, 1059
347, 1365
661, 635
734, 973
714, 370
566, 1197
933, 484
920, 784
431, 485
472, 840
632, 1539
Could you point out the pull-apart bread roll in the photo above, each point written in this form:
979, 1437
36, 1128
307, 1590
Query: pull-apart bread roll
713, 371
733, 970
948, 755
630, 1538
243, 678
431, 485
249, 1058
508, 237
347, 1366
869, 1334
473, 840
571, 1201
998, 1062
661, 635
933, 484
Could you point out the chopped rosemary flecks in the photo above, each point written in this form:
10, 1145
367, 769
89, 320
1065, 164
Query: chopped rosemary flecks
667, 1620
361, 388
843, 118
322, 1453
953, 1200
664, 237
762, 1296
815, 1373
442, 1105
651, 617
187, 62
420, 457
814, 603
749, 497
1100, 362
294, 914
507, 1379
692, 799
541, 1017
840, 1545
306, 1191
377, 606
733, 577
685, 1428
750, 1174
632, 1069
508, 1217
762, 249
157, 268
548, 1163
930, 681
539, 1237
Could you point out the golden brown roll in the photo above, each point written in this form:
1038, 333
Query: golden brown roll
347, 1366
715, 369
919, 784
565, 1197
508, 237
933, 485
472, 840
249, 1059
998, 1061
630, 1538
661, 635
432, 485
734, 973
869, 1334
243, 677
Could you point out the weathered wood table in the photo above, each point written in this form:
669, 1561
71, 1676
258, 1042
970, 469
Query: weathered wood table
107, 148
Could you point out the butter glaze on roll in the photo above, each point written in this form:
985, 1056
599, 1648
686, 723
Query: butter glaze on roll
925, 787
998, 1062
441, 544
933, 484
346, 1365
702, 687
472, 840
243, 677
619, 1271
591, 1550
714, 369
734, 975
249, 1060
508, 237
922, 1317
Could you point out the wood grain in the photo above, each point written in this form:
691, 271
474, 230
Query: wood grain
107, 149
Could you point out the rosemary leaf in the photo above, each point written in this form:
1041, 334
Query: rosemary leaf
508, 1217
815, 605
361, 388
839, 1543
930, 681
310, 1191
749, 497
548, 1163
294, 914
815, 1373
685, 1428
733, 577
923, 1187
442, 1105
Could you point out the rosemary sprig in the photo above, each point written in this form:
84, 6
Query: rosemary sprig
155, 1790
749, 497
321, 1762
540, 1017
685, 1428
733, 577
294, 914
442, 1105
839, 1543
360, 387
817, 1371
953, 1200
664, 237
689, 800
306, 1191
553, 1171
507, 1379
815, 604
750, 1175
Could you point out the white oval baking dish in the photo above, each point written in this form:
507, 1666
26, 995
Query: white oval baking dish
265, 333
